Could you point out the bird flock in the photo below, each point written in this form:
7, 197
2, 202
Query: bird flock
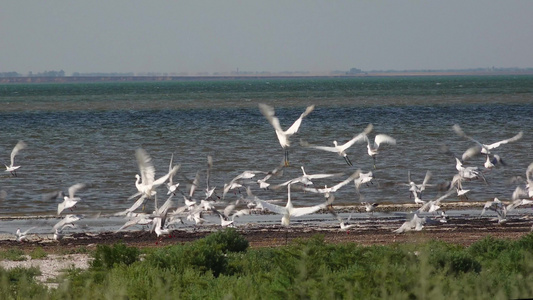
166, 216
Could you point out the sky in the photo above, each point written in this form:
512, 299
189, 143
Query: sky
208, 36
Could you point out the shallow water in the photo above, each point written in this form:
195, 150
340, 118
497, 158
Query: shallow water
89, 133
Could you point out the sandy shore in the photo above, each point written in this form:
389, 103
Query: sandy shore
462, 227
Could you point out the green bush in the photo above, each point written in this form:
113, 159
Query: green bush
106, 257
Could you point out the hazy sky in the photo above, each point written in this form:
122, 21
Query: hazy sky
268, 35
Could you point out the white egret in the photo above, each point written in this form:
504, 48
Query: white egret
483, 148
373, 149
146, 183
341, 149
283, 136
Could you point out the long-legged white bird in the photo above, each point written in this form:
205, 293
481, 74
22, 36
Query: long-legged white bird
289, 210
146, 183
373, 149
283, 136
12, 168
341, 149
483, 148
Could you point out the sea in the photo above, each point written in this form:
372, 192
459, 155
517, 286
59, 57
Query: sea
89, 133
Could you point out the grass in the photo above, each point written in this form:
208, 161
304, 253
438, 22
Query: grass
222, 266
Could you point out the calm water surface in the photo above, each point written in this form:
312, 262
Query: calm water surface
89, 133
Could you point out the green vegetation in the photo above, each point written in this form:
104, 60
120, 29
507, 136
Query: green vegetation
222, 266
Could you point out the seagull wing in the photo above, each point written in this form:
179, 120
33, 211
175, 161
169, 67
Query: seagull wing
471, 152
19, 146
426, 180
383, 138
513, 139
73, 189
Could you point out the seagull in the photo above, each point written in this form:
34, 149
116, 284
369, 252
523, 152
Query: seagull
364, 178
326, 191
70, 200
306, 178
417, 189
289, 210
497, 206
160, 217
370, 207
262, 182
483, 148
146, 183
171, 186
209, 191
416, 223
21, 236
378, 140
341, 149
283, 136
137, 219
457, 182
468, 172
58, 233
12, 168
344, 225
517, 203
68, 219
433, 205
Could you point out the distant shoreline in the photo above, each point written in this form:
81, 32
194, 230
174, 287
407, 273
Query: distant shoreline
88, 79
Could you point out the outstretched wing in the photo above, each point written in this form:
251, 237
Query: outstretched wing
296, 125
513, 139
145, 166
19, 146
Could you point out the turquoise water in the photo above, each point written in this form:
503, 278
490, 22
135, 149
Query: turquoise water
89, 133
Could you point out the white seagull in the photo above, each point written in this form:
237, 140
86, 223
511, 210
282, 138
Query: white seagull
416, 223
21, 236
262, 182
12, 168
417, 189
379, 139
341, 149
69, 200
283, 136
289, 210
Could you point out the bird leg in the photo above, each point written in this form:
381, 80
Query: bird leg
348, 161
286, 157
